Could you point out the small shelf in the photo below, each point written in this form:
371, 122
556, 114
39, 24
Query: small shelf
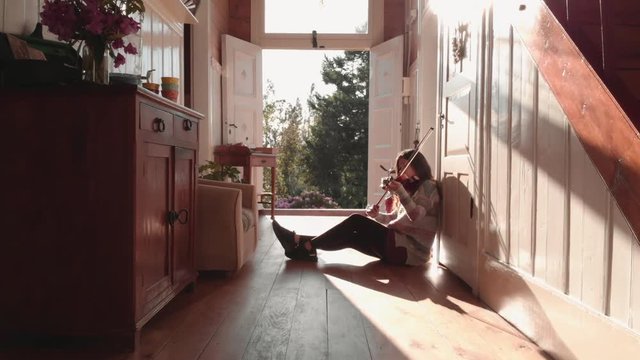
174, 9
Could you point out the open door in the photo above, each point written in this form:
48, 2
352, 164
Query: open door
460, 66
385, 112
241, 92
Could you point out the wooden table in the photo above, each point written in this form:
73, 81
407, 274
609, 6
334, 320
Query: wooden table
235, 155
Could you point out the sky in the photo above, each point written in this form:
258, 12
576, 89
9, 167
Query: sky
293, 71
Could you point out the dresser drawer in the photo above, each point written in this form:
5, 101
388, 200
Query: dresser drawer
156, 120
185, 129
262, 160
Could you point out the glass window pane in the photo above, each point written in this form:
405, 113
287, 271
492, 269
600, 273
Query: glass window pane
323, 16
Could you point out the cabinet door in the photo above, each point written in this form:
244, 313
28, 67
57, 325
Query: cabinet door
153, 249
183, 228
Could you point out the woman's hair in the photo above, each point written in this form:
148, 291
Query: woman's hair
419, 164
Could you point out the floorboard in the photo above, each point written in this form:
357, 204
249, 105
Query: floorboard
347, 306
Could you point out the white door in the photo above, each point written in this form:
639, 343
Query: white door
241, 92
385, 112
459, 134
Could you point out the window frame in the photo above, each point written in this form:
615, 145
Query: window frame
299, 41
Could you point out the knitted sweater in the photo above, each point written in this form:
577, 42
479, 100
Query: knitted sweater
415, 221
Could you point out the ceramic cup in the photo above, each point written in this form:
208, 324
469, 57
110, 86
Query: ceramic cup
169, 86
170, 94
170, 80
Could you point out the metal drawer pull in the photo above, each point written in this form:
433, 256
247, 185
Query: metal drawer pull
158, 125
187, 124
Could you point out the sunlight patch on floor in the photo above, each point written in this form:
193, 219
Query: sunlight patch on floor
400, 321
308, 225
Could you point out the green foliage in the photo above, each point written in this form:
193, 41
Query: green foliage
214, 171
336, 153
283, 130
327, 151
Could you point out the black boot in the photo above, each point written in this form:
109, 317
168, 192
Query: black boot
286, 237
300, 252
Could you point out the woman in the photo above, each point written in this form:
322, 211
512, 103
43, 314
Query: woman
402, 235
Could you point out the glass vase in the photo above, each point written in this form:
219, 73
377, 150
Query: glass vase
95, 64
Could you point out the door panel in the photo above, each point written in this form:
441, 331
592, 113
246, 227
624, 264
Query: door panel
385, 112
242, 92
155, 245
183, 204
459, 131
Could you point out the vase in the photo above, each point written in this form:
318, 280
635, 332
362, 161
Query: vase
95, 64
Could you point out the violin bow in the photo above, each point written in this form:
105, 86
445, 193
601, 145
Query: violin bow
417, 148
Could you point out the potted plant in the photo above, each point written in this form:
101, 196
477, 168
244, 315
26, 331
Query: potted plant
214, 171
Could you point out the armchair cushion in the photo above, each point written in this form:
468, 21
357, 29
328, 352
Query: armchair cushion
248, 219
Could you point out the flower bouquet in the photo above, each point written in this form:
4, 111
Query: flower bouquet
97, 25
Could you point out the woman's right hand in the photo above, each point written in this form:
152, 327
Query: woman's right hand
372, 211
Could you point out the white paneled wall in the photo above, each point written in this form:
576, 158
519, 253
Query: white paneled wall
551, 180
589, 230
162, 39
162, 47
19, 16
551, 214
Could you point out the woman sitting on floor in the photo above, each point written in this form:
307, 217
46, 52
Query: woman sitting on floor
401, 235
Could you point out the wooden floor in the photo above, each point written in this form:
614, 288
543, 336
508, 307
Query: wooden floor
347, 306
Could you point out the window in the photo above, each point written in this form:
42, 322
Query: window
338, 24
323, 16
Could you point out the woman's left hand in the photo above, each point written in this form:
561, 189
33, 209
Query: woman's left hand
393, 186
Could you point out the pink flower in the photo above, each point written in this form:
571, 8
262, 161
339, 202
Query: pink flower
60, 17
117, 44
130, 49
103, 22
128, 26
119, 60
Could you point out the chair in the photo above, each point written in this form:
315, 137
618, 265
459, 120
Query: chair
226, 225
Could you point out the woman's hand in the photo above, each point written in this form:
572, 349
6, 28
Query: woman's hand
372, 211
393, 186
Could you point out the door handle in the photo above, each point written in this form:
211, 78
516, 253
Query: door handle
233, 126
172, 216
181, 216
442, 119
182, 220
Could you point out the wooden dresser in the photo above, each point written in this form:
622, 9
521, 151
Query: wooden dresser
98, 201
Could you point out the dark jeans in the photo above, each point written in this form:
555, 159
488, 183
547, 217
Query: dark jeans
365, 235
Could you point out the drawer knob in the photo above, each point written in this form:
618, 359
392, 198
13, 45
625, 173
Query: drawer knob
159, 125
187, 124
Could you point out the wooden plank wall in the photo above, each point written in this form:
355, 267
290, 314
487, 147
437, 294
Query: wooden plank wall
551, 214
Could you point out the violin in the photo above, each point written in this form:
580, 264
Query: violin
410, 184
